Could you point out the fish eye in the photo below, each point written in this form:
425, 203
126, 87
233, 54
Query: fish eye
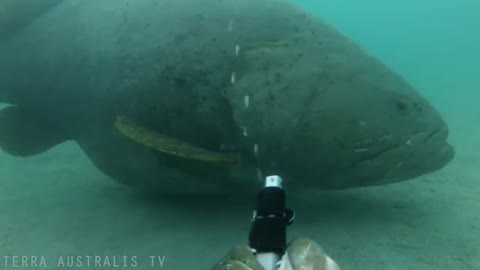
404, 105
401, 106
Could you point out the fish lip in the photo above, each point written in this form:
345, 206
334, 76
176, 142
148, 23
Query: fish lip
446, 153
433, 154
431, 139
435, 148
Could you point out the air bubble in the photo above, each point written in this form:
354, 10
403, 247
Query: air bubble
255, 149
237, 50
246, 101
245, 133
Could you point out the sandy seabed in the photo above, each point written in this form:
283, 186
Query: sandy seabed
58, 207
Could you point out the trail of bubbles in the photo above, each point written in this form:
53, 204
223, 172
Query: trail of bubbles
246, 98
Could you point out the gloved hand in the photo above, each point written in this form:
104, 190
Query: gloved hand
301, 254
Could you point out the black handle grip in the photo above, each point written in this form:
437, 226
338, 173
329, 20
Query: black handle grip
268, 232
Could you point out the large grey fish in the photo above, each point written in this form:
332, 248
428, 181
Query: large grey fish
194, 95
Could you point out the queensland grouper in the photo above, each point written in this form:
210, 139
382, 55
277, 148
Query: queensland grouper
194, 95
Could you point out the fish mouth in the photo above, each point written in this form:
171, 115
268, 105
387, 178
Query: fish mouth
424, 152
436, 149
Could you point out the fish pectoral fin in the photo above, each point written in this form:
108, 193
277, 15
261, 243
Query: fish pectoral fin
21, 134
168, 145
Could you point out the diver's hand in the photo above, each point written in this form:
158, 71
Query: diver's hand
301, 253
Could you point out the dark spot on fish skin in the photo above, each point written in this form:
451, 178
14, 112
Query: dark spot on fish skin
180, 82
271, 97
340, 143
277, 76
180, 39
